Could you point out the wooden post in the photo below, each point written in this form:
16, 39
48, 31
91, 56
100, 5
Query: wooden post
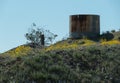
42, 40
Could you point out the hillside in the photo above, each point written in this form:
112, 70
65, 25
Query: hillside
75, 61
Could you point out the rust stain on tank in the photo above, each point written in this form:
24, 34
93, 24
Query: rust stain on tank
84, 25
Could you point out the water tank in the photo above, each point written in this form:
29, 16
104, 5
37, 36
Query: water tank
84, 26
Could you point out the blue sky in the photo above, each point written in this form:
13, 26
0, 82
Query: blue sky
16, 16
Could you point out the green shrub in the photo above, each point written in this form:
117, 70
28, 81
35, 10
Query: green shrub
97, 63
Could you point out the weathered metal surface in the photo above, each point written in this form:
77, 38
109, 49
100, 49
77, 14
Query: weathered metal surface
84, 25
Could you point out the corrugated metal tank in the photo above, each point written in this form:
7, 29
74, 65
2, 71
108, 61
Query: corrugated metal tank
84, 25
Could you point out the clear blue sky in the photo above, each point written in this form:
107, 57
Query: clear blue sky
16, 16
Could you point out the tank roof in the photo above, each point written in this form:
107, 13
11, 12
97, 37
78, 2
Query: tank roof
85, 15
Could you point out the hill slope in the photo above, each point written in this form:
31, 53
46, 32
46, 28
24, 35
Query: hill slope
68, 61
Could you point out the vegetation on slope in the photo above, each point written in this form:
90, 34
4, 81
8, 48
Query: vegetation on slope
68, 61
19, 51
97, 63
75, 44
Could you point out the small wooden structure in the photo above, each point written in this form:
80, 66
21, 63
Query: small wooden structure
42, 40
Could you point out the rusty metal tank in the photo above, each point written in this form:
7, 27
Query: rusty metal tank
84, 26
